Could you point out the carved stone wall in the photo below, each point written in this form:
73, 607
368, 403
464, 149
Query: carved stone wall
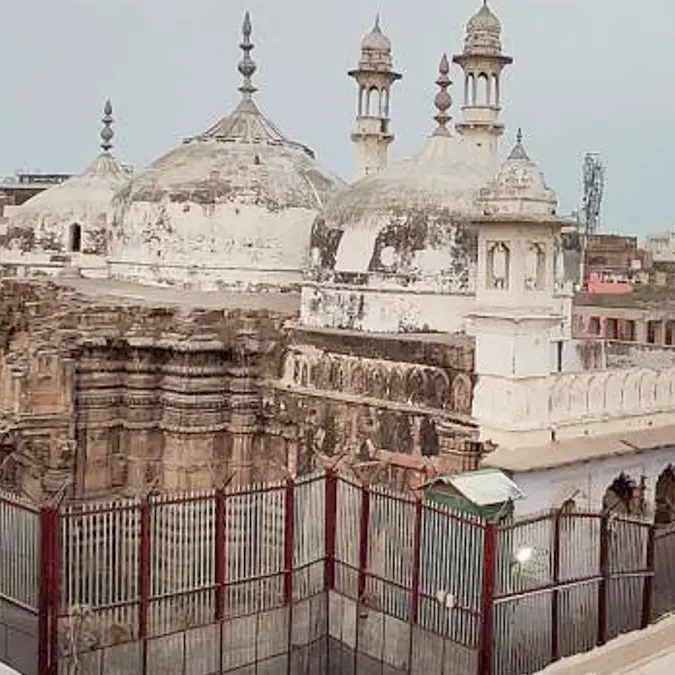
101, 397
104, 396
391, 409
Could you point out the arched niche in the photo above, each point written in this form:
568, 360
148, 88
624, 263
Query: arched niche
623, 497
664, 498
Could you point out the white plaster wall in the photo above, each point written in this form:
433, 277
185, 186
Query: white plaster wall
524, 412
212, 245
587, 482
381, 311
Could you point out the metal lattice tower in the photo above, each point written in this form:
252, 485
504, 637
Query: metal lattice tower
593, 176
594, 184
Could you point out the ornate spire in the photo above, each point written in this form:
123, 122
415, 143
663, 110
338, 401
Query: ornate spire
247, 65
518, 151
107, 134
376, 27
443, 100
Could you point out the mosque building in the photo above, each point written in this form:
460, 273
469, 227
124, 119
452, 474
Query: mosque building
234, 310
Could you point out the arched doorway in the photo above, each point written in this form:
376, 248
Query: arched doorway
624, 497
75, 238
664, 500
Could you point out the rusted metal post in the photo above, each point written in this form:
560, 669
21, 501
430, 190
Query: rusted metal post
648, 588
45, 584
330, 531
289, 536
485, 655
555, 579
219, 555
144, 582
604, 578
363, 543
416, 564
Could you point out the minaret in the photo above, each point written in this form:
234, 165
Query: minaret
374, 76
517, 321
482, 62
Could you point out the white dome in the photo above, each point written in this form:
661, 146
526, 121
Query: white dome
232, 207
46, 222
376, 49
398, 234
483, 33
239, 199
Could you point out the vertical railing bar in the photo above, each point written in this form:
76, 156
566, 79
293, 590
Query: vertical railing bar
555, 578
363, 543
144, 581
416, 576
55, 582
46, 581
648, 588
289, 545
219, 555
330, 529
602, 586
486, 655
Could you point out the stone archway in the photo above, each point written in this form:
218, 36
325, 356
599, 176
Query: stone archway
623, 497
664, 500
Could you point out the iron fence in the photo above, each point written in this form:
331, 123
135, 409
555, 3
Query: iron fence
318, 575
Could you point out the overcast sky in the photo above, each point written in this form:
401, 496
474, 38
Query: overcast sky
587, 75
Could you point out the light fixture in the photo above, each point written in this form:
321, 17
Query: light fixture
524, 554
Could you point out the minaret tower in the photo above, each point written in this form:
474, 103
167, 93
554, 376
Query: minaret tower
482, 62
374, 76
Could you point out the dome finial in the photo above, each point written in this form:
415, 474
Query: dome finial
247, 65
107, 134
519, 151
443, 100
376, 27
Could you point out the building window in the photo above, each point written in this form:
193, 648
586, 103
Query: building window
612, 329
559, 356
629, 330
497, 265
535, 266
594, 325
75, 238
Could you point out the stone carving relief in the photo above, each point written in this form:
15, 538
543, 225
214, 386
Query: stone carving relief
430, 387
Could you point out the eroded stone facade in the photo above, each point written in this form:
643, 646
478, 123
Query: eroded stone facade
391, 409
103, 395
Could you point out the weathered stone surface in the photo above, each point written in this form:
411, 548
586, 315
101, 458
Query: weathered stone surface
112, 389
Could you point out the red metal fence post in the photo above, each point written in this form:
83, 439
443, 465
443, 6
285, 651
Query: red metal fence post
289, 536
555, 578
144, 582
604, 578
647, 589
330, 519
363, 543
45, 583
417, 557
219, 555
413, 614
55, 590
485, 655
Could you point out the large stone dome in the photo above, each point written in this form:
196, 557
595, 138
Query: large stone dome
231, 207
69, 222
397, 249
